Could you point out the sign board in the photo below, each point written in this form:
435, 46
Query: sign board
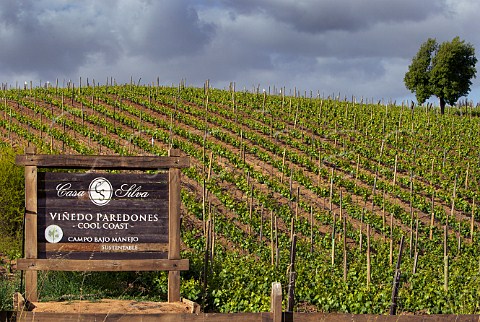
102, 221
102, 215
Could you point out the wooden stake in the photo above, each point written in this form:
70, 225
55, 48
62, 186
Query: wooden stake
416, 234
445, 273
360, 241
472, 220
333, 239
411, 215
391, 240
396, 280
383, 215
395, 170
319, 167
272, 244
356, 169
452, 210
291, 277
297, 203
331, 191
466, 176
432, 218
415, 261
292, 228
311, 229
261, 225
368, 257
251, 211
277, 250
344, 248
209, 175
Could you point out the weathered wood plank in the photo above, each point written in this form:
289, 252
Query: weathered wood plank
159, 317
102, 162
102, 247
95, 256
235, 317
157, 177
31, 278
103, 265
174, 229
276, 302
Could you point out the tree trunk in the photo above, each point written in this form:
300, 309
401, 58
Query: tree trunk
442, 105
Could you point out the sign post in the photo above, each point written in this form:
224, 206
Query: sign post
102, 221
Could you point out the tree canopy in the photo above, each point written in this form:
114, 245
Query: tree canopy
443, 70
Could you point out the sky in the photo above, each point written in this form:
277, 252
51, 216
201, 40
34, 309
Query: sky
326, 47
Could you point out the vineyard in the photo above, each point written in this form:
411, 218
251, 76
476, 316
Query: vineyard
347, 179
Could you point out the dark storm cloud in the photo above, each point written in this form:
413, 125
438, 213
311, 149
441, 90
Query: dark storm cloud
163, 29
362, 47
314, 16
51, 38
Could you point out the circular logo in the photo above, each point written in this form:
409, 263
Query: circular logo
53, 234
100, 191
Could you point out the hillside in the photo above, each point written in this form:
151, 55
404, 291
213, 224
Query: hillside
265, 165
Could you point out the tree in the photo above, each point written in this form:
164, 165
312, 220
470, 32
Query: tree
442, 70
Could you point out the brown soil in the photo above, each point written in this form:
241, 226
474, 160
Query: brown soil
108, 306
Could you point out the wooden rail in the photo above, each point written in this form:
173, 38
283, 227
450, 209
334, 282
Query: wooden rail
275, 315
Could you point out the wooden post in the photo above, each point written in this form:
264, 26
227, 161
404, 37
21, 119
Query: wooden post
445, 258
356, 170
368, 257
360, 239
277, 249
432, 218
319, 167
250, 210
333, 239
395, 170
344, 218
472, 220
291, 276
311, 229
276, 302
272, 244
391, 240
174, 228
411, 214
31, 277
396, 280
331, 191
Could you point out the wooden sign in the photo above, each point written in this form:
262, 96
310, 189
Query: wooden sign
100, 221
102, 215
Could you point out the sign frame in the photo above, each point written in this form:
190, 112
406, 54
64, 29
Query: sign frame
31, 264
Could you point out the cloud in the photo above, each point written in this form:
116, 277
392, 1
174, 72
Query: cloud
55, 38
162, 29
50, 37
349, 46
313, 16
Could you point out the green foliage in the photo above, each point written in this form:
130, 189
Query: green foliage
355, 145
7, 288
417, 78
443, 70
452, 71
58, 285
11, 202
